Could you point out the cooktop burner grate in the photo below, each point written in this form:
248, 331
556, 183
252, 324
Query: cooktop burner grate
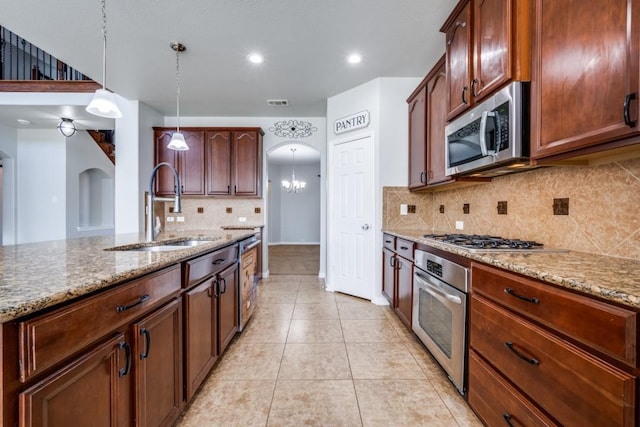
485, 242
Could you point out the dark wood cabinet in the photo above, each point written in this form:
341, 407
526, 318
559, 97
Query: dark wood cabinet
189, 164
487, 45
93, 390
418, 138
397, 276
218, 152
157, 348
404, 289
388, 276
585, 76
247, 163
436, 122
526, 335
227, 298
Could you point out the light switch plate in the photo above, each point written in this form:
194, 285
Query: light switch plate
242, 219
403, 209
170, 219
459, 225
180, 219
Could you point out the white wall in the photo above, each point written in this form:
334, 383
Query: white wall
41, 164
274, 198
385, 99
298, 213
8, 152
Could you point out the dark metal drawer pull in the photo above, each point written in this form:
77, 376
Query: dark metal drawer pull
531, 361
142, 299
522, 297
627, 101
127, 350
147, 336
219, 261
507, 419
404, 248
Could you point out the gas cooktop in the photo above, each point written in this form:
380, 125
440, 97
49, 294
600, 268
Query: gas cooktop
486, 243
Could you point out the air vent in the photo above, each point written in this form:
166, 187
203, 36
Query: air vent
278, 102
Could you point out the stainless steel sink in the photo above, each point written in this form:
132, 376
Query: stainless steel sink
162, 246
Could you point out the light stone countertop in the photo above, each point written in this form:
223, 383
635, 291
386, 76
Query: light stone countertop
34, 276
614, 279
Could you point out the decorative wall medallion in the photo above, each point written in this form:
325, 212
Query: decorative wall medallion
293, 129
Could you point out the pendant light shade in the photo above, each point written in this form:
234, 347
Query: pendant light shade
103, 103
177, 140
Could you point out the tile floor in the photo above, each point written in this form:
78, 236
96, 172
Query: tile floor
314, 358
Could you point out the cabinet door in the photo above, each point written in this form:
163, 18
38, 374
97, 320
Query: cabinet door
191, 165
164, 177
227, 306
201, 329
247, 161
158, 366
388, 275
417, 140
92, 390
436, 122
218, 155
458, 38
585, 65
492, 44
404, 290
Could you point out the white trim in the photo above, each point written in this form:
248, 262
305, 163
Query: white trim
380, 301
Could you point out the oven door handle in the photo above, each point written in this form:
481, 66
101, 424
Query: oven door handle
436, 290
483, 134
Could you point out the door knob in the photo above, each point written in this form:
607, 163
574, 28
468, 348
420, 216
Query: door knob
365, 227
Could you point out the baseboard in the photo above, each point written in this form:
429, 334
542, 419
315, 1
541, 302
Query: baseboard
265, 274
293, 243
380, 301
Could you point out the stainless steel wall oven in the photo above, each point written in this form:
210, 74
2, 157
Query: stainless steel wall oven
440, 292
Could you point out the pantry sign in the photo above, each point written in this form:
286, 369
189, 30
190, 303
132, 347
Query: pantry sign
352, 122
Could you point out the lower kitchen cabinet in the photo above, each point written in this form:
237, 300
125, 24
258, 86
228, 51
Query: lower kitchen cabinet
388, 275
92, 390
158, 368
404, 290
397, 276
227, 296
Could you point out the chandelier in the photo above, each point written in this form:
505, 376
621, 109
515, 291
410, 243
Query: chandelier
294, 185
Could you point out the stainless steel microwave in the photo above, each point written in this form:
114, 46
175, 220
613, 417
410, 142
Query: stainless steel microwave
492, 138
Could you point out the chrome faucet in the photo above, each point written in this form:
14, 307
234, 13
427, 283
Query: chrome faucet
151, 198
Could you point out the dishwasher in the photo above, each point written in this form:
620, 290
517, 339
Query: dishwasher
248, 250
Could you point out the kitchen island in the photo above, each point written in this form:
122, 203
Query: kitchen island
92, 328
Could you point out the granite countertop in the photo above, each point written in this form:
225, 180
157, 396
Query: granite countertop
614, 279
34, 276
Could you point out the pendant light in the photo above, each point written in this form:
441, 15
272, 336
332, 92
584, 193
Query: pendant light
67, 127
103, 103
177, 140
294, 185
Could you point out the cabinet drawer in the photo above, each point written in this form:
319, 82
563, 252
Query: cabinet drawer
572, 386
496, 402
207, 265
50, 338
601, 325
404, 248
389, 241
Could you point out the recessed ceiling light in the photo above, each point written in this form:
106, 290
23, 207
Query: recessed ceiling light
256, 58
23, 122
354, 58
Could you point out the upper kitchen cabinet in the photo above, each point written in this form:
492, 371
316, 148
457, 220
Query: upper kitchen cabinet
585, 76
234, 162
487, 45
418, 137
189, 164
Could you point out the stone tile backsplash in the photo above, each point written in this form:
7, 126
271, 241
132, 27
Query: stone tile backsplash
214, 213
603, 208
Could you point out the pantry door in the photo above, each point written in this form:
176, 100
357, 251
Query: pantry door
351, 244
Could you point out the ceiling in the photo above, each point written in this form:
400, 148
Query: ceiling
304, 43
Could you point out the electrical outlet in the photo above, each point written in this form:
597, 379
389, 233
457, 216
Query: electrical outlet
403, 209
170, 219
459, 225
180, 219
242, 219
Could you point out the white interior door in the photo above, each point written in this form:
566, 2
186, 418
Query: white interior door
351, 213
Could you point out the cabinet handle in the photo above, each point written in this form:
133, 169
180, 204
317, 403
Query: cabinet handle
507, 418
121, 308
422, 177
404, 248
464, 91
387, 241
531, 361
224, 283
127, 351
627, 101
391, 262
216, 291
218, 261
474, 82
210, 290
228, 189
522, 297
235, 189
147, 337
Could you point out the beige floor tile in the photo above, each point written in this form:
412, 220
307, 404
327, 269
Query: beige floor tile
280, 286
277, 296
454, 402
401, 403
225, 403
340, 297
314, 296
370, 330
378, 361
282, 311
280, 278
266, 330
249, 361
319, 361
360, 310
426, 362
313, 330
315, 311
314, 403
